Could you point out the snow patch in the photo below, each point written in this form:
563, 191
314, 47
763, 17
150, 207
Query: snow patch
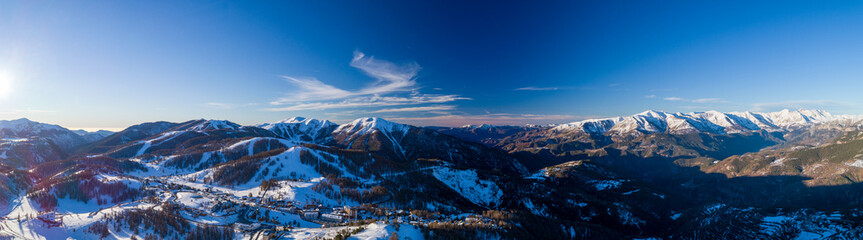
607, 184
857, 163
468, 184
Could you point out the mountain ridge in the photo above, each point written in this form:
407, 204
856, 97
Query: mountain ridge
582, 184
652, 121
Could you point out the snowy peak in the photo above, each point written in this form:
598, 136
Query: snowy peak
209, 125
25, 125
366, 128
301, 122
369, 125
301, 129
710, 121
653, 114
799, 117
481, 126
24, 128
296, 120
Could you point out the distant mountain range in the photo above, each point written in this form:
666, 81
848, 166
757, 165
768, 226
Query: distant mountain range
710, 122
741, 175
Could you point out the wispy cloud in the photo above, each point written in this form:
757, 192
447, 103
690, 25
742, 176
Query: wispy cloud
218, 105
416, 109
650, 96
700, 100
394, 85
495, 119
311, 89
374, 101
807, 104
536, 89
709, 100
391, 77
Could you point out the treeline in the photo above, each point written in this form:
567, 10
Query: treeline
361, 163
242, 170
194, 150
27, 154
198, 147
166, 224
358, 163
235, 173
99, 228
347, 232
323, 167
268, 184
349, 189
12, 182
210, 233
511, 225
103, 163
83, 187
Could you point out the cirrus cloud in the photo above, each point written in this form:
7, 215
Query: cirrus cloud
394, 85
800, 104
374, 101
536, 89
416, 109
700, 100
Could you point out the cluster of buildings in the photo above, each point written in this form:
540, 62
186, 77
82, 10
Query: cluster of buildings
334, 215
231, 204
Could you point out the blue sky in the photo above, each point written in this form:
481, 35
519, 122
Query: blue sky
111, 64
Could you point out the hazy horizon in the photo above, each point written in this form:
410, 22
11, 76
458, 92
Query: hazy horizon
474, 122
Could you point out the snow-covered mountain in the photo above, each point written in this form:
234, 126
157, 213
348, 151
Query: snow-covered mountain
409, 143
302, 129
24, 128
368, 125
481, 126
205, 125
25, 125
23, 153
710, 122
607, 178
365, 128
489, 135
93, 136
